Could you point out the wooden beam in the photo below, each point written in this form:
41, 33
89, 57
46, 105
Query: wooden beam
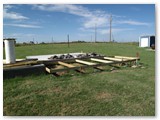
48, 70
125, 57
66, 64
20, 63
85, 62
17, 60
70, 66
113, 59
102, 61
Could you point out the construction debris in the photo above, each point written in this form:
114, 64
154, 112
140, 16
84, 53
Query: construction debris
70, 56
55, 57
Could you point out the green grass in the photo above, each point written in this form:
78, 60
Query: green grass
123, 92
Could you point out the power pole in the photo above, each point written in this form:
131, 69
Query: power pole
110, 21
91, 38
33, 40
95, 33
52, 39
68, 40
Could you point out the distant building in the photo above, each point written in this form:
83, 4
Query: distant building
146, 41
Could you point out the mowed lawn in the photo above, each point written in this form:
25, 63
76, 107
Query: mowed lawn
123, 92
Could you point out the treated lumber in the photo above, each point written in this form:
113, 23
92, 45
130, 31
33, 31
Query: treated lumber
53, 70
66, 64
17, 60
100, 60
85, 62
70, 66
125, 57
48, 70
113, 59
20, 63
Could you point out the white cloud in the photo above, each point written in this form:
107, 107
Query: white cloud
98, 17
23, 25
12, 15
131, 22
90, 18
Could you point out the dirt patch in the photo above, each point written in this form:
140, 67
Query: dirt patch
103, 95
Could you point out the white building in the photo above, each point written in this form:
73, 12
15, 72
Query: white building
146, 41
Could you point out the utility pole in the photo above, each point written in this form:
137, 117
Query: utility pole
33, 41
95, 33
110, 21
52, 39
68, 40
91, 38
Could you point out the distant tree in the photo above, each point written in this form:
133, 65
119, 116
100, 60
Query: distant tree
24, 43
42, 43
31, 42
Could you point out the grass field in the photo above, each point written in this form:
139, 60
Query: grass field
123, 92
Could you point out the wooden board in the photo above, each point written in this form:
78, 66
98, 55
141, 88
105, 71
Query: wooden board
100, 60
113, 59
77, 64
48, 70
125, 57
85, 62
20, 64
66, 64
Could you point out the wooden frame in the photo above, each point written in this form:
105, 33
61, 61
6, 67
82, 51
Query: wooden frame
87, 64
67, 64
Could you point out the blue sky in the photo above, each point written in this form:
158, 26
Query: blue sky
44, 22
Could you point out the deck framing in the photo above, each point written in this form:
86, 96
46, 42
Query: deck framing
87, 63
54, 66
